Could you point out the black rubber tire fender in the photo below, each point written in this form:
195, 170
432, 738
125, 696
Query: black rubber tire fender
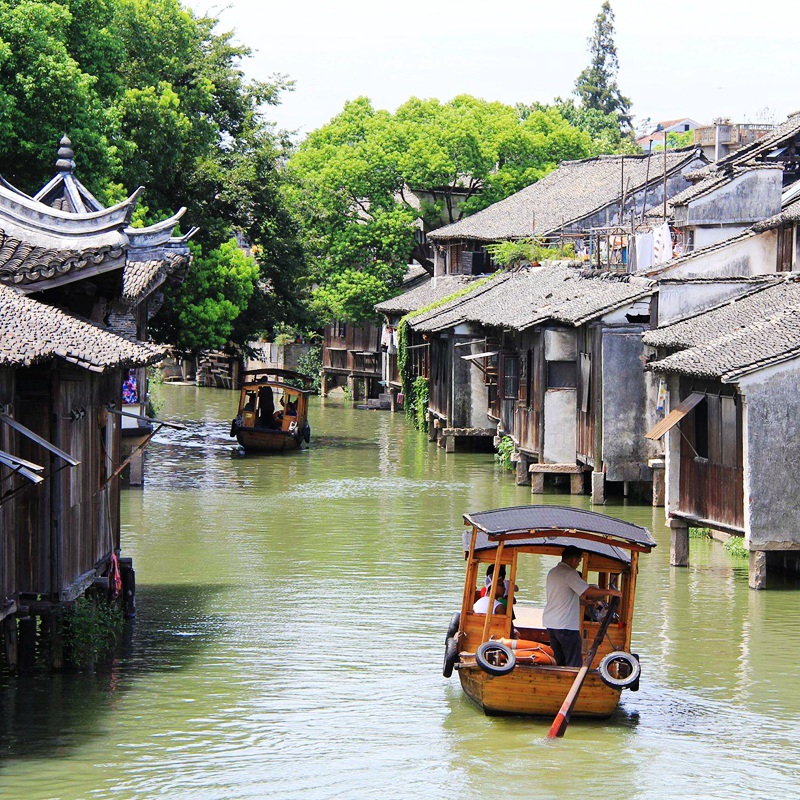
450, 656
455, 623
307, 433
487, 653
619, 657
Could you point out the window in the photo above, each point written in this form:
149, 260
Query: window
701, 429
561, 375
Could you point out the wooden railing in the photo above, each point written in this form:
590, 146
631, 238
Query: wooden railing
335, 359
712, 491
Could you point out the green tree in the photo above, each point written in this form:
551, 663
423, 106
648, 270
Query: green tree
362, 184
152, 95
597, 86
203, 309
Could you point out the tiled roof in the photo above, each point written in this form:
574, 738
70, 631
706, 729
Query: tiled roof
750, 332
433, 290
712, 180
568, 194
519, 300
31, 331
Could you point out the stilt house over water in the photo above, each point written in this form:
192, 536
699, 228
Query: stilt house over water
77, 286
733, 379
551, 357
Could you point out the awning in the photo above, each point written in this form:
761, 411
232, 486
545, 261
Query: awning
12, 423
19, 466
474, 356
675, 416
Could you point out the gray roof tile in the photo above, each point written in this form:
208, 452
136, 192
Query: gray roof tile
31, 331
758, 329
527, 297
431, 291
568, 194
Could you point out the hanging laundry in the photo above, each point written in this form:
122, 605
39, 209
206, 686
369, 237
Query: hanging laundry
662, 244
644, 250
661, 400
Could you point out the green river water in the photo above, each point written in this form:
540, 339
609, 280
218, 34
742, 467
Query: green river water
290, 634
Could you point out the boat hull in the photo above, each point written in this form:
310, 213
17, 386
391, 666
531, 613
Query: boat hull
266, 441
537, 691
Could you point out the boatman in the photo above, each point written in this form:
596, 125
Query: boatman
562, 611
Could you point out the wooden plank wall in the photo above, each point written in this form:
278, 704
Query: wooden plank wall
8, 572
34, 557
89, 518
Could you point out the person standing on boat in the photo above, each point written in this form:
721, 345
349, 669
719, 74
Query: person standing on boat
562, 611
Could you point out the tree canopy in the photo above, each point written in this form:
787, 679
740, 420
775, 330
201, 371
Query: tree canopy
151, 95
361, 186
597, 86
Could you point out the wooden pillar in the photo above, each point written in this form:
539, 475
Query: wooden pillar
10, 642
449, 443
659, 480
393, 400
576, 483
352, 387
758, 569
27, 644
523, 475
136, 469
433, 427
323, 384
678, 543
128, 576
598, 488
56, 631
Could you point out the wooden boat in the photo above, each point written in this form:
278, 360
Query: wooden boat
273, 411
518, 676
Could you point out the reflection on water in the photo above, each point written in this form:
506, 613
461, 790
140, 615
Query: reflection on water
289, 640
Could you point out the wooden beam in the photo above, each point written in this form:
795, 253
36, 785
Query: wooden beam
571, 534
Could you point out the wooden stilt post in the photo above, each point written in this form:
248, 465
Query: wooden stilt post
27, 644
128, 576
57, 639
10, 642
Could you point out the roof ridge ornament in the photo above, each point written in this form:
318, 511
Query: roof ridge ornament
66, 156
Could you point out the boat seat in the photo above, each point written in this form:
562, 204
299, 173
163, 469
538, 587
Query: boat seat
528, 621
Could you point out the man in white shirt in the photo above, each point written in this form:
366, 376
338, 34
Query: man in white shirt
562, 611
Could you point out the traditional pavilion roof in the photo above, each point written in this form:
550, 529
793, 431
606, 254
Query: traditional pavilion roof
63, 233
518, 300
740, 336
32, 332
574, 191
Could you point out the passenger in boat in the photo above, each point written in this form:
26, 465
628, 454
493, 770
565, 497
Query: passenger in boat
250, 405
488, 581
289, 410
481, 605
266, 407
562, 610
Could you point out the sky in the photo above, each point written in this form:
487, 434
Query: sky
678, 59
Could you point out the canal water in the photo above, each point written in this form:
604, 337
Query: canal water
290, 633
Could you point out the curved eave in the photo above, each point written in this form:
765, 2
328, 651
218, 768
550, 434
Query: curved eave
40, 221
159, 233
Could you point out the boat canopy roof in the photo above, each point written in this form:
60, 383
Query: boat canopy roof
548, 544
526, 524
255, 384
263, 376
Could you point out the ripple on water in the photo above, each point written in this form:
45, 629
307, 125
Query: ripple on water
376, 488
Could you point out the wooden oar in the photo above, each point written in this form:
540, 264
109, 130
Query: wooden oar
561, 721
